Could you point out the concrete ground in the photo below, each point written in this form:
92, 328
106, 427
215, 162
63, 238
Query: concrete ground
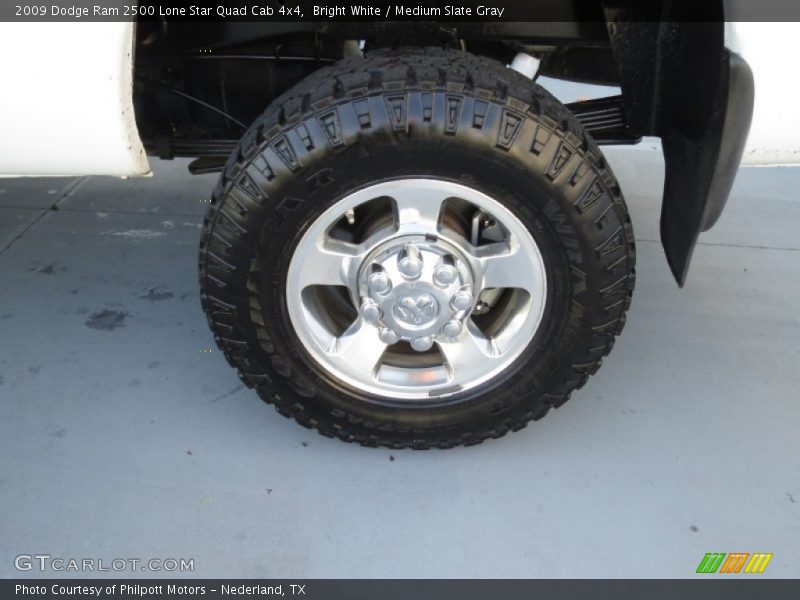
122, 437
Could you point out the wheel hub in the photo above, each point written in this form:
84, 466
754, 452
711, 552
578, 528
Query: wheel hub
417, 290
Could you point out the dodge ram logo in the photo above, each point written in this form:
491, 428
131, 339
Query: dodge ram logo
416, 309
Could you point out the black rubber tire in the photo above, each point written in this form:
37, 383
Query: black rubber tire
416, 112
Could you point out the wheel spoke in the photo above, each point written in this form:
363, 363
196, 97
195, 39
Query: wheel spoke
359, 349
328, 264
418, 210
470, 352
507, 269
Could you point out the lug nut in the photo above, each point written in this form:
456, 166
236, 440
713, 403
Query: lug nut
462, 300
370, 311
388, 336
444, 275
422, 344
410, 262
452, 328
379, 282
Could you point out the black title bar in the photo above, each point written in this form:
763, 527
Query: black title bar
332, 11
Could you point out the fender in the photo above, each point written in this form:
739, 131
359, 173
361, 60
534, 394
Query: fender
66, 106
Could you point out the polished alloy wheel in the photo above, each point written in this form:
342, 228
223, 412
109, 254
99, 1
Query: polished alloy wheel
416, 289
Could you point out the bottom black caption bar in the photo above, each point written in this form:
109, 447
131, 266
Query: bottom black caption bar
368, 589
387, 589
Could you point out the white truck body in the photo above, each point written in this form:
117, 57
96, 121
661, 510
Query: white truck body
67, 106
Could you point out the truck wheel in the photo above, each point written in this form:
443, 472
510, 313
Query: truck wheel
420, 248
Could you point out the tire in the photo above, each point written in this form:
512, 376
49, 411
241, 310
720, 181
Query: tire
416, 113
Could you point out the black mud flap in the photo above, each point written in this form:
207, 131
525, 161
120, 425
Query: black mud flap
699, 172
680, 83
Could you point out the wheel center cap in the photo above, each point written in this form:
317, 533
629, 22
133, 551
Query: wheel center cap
417, 308
415, 289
